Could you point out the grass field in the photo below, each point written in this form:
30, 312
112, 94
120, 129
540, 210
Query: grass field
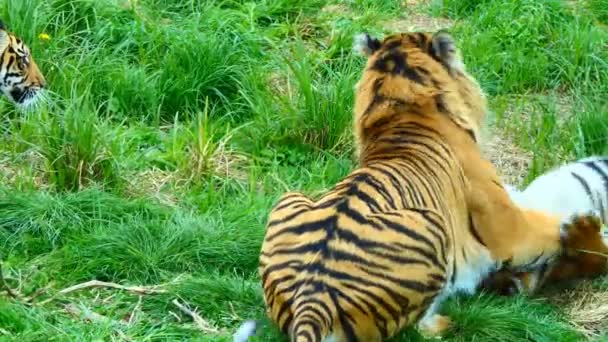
175, 124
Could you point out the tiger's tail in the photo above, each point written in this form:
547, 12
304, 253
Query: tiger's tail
310, 323
308, 326
245, 331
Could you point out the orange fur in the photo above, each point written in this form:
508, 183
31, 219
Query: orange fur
20, 78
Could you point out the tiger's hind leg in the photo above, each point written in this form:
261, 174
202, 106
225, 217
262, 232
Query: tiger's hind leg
421, 246
433, 324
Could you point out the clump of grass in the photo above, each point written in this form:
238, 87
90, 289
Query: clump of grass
16, 320
527, 45
589, 128
74, 147
34, 223
271, 12
323, 104
456, 8
384, 6
556, 127
27, 18
139, 63
510, 319
600, 9
194, 66
197, 150
221, 296
147, 251
316, 110
485, 317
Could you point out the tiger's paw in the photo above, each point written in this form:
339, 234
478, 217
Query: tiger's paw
585, 251
434, 326
578, 230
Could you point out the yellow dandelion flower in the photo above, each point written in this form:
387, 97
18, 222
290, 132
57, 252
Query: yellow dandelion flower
44, 36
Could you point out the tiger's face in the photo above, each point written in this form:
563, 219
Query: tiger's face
423, 71
20, 79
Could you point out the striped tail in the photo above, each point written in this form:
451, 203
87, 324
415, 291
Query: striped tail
310, 324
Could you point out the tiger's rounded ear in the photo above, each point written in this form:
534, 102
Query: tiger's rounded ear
365, 45
444, 49
2, 26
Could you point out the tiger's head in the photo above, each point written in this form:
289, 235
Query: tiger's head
585, 256
20, 79
422, 73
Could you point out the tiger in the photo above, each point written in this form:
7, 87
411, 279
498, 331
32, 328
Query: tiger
412, 224
578, 186
20, 79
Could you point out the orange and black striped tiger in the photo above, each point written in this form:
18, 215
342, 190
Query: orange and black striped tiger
412, 224
20, 79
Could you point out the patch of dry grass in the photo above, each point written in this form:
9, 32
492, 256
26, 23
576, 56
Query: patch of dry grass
511, 161
418, 22
27, 168
586, 308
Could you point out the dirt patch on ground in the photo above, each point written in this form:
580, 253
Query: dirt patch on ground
153, 183
418, 22
417, 19
414, 3
278, 83
165, 186
511, 161
28, 169
336, 9
501, 148
564, 105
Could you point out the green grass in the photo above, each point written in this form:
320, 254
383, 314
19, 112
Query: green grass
176, 124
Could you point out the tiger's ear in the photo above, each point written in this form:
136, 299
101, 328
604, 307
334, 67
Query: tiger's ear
444, 49
365, 45
2, 26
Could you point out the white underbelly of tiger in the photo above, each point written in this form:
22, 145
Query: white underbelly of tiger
469, 275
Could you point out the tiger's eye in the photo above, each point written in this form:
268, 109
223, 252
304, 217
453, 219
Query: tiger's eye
22, 62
